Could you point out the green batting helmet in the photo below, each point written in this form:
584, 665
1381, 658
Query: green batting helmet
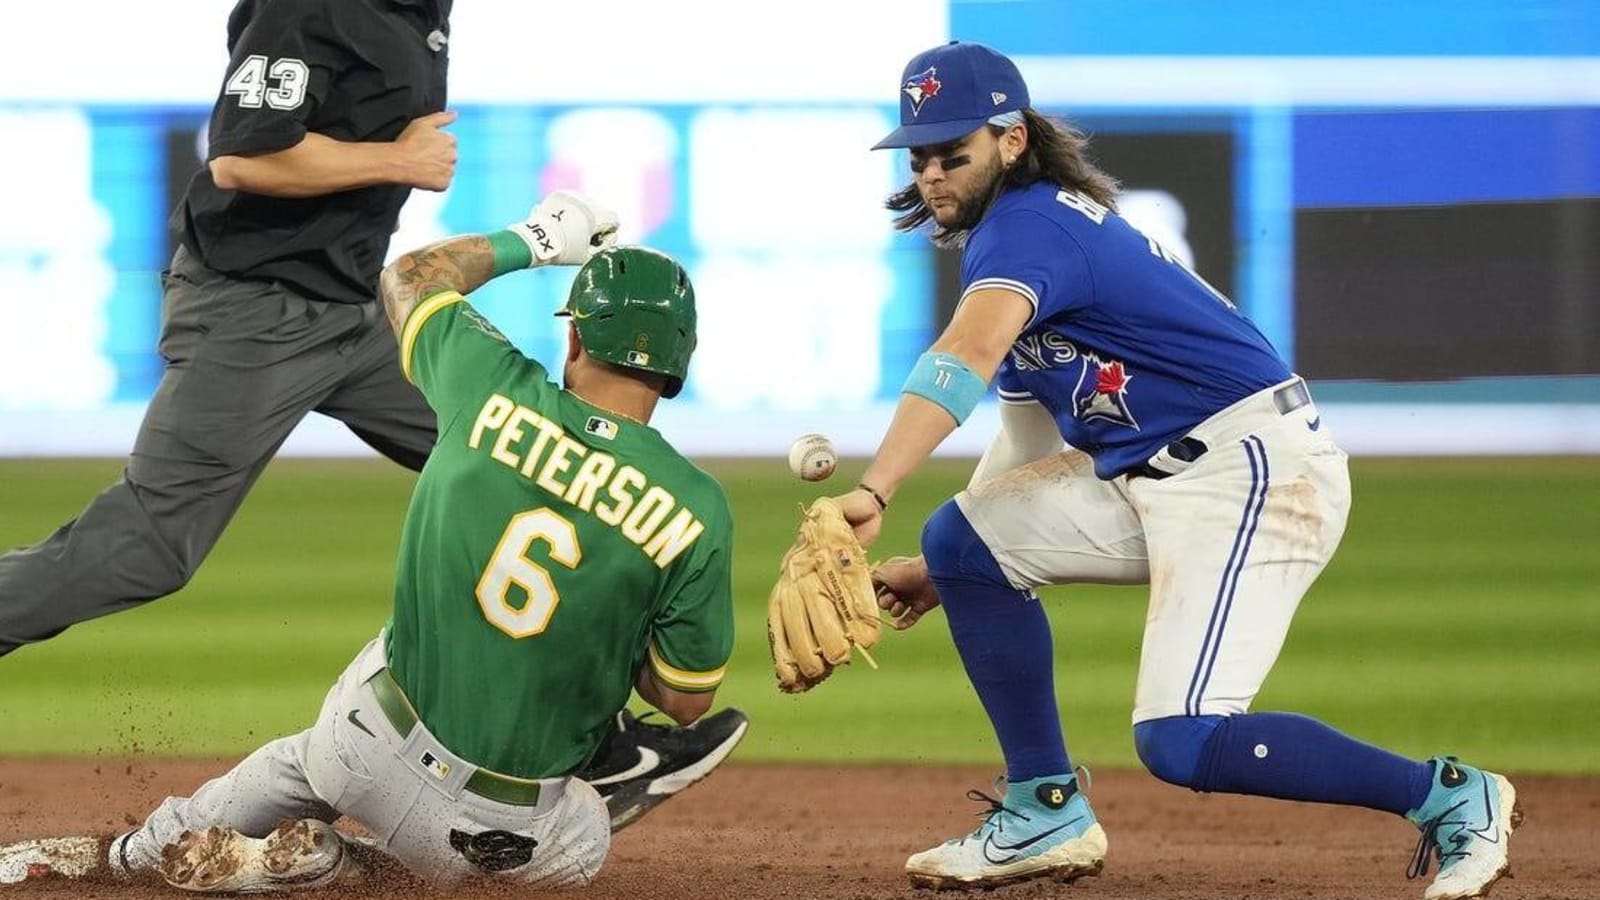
634, 307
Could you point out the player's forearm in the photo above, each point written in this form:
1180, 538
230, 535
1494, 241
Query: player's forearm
461, 264
682, 707
316, 166
919, 426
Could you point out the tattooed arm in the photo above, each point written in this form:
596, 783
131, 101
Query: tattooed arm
461, 264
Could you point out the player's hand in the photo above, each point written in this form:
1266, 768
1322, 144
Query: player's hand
904, 589
567, 228
863, 513
427, 152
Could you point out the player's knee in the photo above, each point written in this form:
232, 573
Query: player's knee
152, 566
953, 550
164, 570
156, 555
1172, 748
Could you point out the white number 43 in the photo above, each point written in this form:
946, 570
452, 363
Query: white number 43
282, 85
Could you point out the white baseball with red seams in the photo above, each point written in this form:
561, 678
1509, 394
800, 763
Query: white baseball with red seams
812, 457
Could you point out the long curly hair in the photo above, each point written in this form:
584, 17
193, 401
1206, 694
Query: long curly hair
1056, 152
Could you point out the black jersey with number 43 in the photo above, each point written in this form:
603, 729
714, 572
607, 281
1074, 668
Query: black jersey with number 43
351, 70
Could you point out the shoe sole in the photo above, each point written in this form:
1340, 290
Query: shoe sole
219, 860
1511, 814
1082, 857
637, 802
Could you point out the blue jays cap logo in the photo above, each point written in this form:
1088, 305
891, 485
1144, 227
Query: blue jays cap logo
921, 86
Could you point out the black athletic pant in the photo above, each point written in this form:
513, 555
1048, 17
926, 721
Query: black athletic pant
245, 362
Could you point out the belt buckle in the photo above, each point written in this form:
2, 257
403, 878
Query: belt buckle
1291, 397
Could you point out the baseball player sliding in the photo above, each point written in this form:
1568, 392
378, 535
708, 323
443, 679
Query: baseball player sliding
557, 554
1198, 464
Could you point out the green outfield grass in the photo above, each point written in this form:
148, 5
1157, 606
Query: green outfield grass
1461, 615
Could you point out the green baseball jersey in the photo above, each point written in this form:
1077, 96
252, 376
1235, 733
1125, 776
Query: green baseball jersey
550, 550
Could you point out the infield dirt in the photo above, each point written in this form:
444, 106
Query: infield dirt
843, 832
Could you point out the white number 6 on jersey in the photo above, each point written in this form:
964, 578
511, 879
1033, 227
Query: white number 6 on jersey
510, 565
288, 79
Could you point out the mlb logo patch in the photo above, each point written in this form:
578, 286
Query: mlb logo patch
638, 358
604, 428
436, 766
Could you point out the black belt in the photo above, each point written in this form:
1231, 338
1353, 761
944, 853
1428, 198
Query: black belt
397, 709
1186, 449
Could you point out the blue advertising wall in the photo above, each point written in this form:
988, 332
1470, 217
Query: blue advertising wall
1322, 119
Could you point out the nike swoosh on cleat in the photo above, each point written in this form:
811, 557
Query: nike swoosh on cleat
1491, 825
1314, 424
357, 723
649, 760
1021, 845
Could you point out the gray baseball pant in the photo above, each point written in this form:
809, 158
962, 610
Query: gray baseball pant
245, 362
408, 790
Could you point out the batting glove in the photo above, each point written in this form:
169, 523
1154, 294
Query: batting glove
565, 229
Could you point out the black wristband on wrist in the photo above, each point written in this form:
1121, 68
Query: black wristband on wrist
883, 505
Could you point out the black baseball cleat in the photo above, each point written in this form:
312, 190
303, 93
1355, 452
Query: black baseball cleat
641, 763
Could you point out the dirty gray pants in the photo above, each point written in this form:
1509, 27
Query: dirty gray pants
245, 362
354, 762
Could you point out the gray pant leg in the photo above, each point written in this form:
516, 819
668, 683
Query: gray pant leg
376, 401
291, 778
352, 761
245, 362
267, 788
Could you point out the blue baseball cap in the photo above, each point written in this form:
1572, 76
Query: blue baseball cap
951, 91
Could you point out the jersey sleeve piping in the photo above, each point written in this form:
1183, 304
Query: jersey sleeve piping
419, 316
1006, 284
683, 679
1015, 397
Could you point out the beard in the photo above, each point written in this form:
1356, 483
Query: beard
970, 210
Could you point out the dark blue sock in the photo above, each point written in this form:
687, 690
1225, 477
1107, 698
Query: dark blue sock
1003, 637
1296, 757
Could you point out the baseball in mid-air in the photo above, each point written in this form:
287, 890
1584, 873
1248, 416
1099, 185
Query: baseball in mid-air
812, 457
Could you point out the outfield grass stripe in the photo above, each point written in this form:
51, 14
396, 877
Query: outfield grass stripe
1462, 615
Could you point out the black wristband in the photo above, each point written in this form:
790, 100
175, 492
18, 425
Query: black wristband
883, 505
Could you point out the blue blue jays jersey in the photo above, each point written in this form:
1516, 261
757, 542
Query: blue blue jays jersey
1127, 348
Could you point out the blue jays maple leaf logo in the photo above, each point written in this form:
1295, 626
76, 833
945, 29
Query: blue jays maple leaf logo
1107, 398
921, 86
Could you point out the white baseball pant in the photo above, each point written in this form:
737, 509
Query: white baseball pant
1229, 544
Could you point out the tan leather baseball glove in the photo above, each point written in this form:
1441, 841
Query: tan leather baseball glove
823, 604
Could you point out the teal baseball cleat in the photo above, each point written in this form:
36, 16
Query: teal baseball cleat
1043, 829
1466, 823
